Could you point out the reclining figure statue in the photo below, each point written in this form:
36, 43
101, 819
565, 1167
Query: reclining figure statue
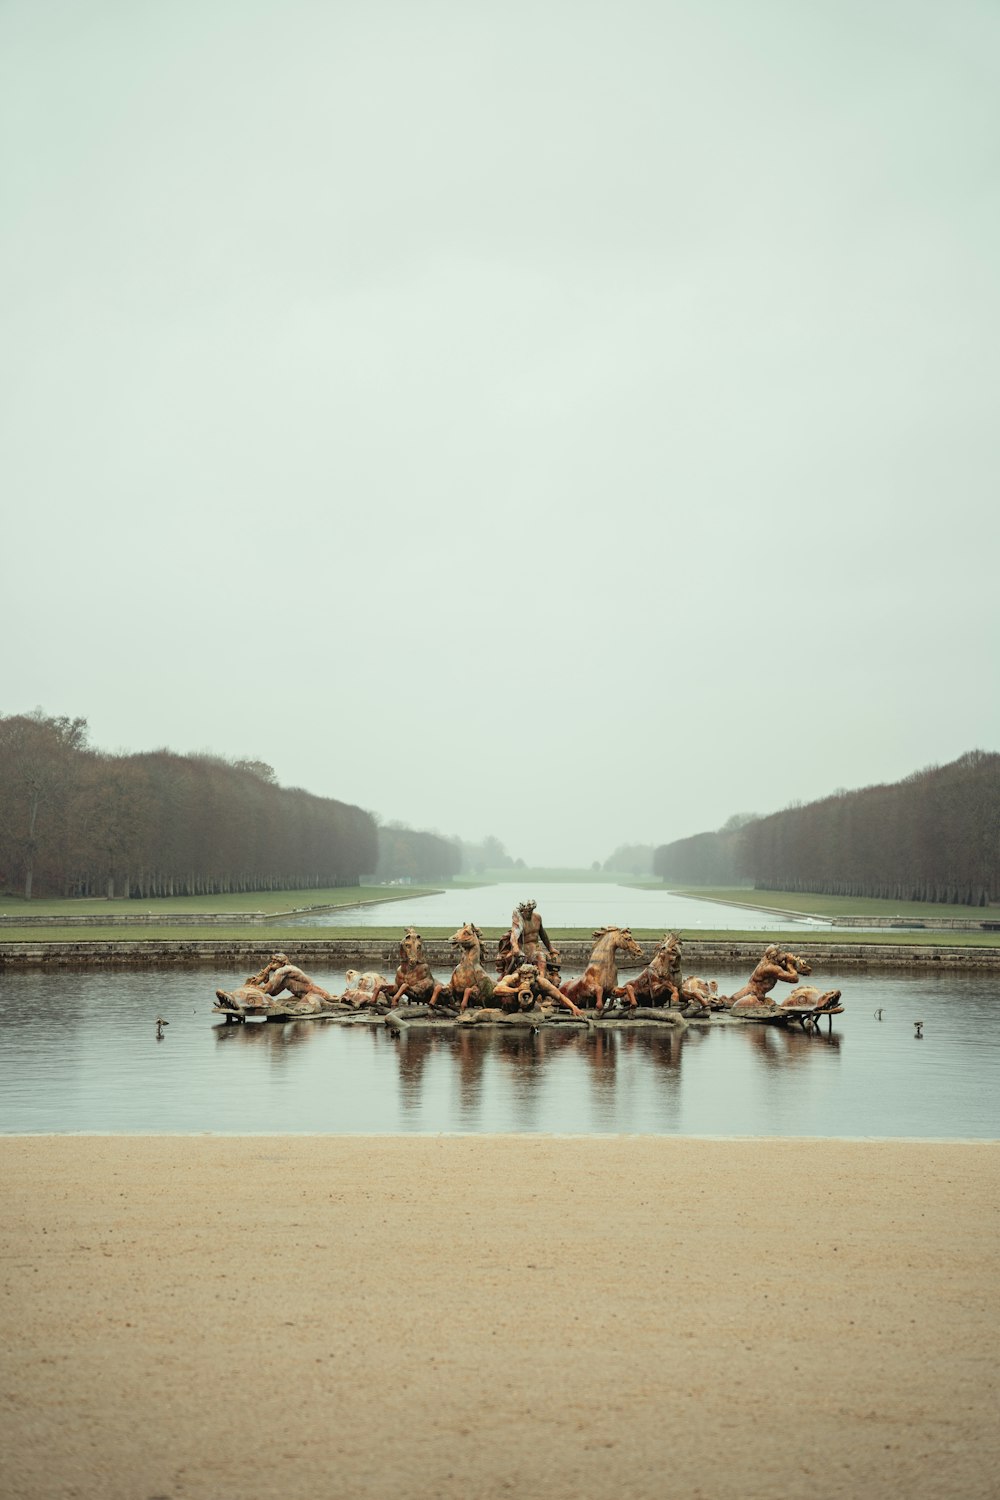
808, 995
276, 977
364, 989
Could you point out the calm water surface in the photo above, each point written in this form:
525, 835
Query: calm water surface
560, 905
79, 1053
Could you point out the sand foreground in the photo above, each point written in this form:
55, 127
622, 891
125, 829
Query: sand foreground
204, 1318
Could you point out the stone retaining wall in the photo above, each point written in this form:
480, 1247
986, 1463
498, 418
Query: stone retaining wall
244, 955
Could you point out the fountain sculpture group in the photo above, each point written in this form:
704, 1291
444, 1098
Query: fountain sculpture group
529, 982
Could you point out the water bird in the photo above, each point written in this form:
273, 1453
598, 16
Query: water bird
160, 1023
920, 1030
878, 1014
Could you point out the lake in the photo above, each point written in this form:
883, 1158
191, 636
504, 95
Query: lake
78, 1052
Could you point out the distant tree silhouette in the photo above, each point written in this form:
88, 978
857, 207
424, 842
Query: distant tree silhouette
409, 854
77, 822
934, 836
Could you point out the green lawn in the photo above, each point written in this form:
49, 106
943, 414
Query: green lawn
543, 874
280, 935
836, 906
287, 939
248, 901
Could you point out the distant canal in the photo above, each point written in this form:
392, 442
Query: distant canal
560, 904
78, 1052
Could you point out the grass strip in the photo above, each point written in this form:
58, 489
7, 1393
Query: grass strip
245, 902
288, 939
834, 906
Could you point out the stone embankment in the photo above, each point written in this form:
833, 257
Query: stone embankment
246, 955
917, 924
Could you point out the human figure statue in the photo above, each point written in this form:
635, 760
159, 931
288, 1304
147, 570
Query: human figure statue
280, 974
525, 939
524, 987
365, 990
703, 992
276, 977
774, 965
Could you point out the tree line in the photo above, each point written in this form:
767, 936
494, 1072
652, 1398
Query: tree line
78, 822
411, 854
934, 836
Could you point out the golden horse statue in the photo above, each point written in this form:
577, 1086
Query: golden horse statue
600, 978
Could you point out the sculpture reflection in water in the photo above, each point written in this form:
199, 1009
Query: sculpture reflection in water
472, 1052
413, 1049
483, 1058
274, 1038
781, 1047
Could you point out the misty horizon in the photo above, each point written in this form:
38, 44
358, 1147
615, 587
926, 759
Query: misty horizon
474, 838
576, 425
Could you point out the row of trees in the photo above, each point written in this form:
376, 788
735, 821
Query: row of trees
77, 822
630, 859
406, 853
933, 837
411, 854
702, 859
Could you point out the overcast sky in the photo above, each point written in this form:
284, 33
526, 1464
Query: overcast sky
573, 422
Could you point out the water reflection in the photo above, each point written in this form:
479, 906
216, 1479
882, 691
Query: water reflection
79, 1052
781, 1046
276, 1036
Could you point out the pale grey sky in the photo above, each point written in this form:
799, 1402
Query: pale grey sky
576, 422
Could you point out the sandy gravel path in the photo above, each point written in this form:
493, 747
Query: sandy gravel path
204, 1318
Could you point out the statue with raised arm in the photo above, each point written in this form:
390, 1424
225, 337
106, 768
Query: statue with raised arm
774, 965
526, 937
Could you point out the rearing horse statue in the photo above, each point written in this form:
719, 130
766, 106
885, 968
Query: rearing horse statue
469, 980
660, 981
413, 977
601, 975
